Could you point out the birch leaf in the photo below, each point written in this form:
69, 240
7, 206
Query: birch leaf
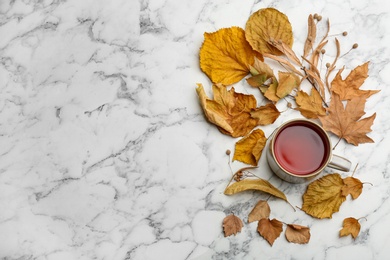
270, 229
297, 234
261, 210
232, 225
352, 186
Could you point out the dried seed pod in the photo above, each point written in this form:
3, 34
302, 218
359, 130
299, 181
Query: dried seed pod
355, 45
345, 33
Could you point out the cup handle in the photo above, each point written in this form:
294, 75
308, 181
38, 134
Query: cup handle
340, 163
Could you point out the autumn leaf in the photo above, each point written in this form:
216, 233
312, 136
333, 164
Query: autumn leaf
268, 25
248, 150
346, 122
229, 111
352, 186
232, 225
351, 226
270, 229
310, 106
226, 56
261, 210
287, 82
266, 114
323, 196
311, 36
297, 234
349, 87
255, 184
262, 76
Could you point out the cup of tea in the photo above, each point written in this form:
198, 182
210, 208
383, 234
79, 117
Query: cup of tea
300, 149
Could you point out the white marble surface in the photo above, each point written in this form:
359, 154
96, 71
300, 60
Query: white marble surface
105, 153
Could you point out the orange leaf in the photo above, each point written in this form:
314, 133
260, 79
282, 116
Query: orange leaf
323, 196
351, 226
348, 88
232, 225
352, 186
261, 210
297, 234
248, 150
310, 106
266, 114
287, 82
270, 229
346, 122
226, 56
230, 111
268, 25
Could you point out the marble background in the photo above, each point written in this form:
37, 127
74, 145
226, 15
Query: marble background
106, 154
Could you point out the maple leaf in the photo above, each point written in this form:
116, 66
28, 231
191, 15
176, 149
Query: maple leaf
261, 210
351, 226
232, 225
349, 88
270, 229
310, 106
297, 234
266, 25
226, 56
249, 149
229, 111
346, 122
257, 184
323, 196
352, 186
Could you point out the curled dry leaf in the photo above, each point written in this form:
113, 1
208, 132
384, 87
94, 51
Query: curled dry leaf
249, 149
287, 82
352, 186
323, 196
261, 210
346, 122
349, 87
270, 229
229, 111
268, 25
266, 114
310, 106
351, 226
232, 225
297, 234
226, 56
255, 184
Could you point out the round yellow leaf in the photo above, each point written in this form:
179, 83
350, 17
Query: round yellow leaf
266, 26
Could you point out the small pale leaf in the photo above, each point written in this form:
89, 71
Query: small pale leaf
351, 226
261, 210
297, 234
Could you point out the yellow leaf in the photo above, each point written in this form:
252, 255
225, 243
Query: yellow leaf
352, 186
287, 82
258, 184
268, 25
261, 210
232, 225
229, 111
323, 196
310, 106
266, 114
248, 150
297, 234
270, 229
351, 226
226, 56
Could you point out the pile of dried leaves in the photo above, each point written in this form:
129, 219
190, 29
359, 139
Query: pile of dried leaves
229, 55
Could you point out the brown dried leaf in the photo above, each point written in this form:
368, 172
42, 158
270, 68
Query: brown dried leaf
225, 55
284, 62
232, 225
310, 106
229, 111
352, 186
346, 123
261, 210
248, 150
297, 234
257, 184
323, 196
351, 226
349, 88
265, 25
266, 114
287, 51
287, 82
270, 229
311, 36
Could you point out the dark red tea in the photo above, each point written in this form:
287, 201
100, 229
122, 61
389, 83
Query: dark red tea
301, 148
